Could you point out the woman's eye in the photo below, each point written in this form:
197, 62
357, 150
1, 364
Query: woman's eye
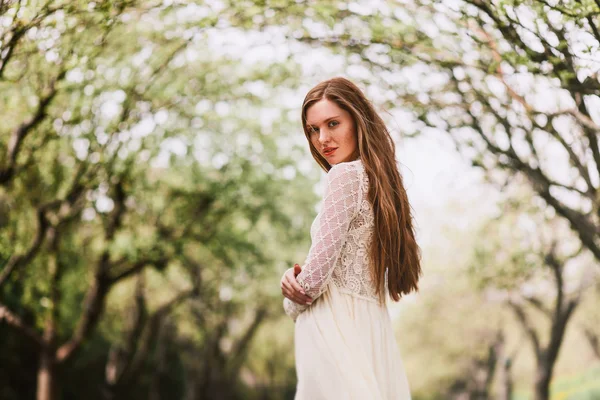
333, 123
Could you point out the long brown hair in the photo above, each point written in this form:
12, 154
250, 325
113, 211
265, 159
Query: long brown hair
393, 246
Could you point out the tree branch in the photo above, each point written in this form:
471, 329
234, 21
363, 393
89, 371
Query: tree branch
137, 266
66, 211
18, 32
537, 304
17, 323
150, 333
18, 136
240, 348
529, 329
593, 339
529, 110
92, 310
18, 260
563, 309
574, 159
590, 21
94, 300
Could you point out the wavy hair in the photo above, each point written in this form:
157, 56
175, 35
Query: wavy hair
393, 246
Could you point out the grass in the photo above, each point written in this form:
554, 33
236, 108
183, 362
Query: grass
584, 386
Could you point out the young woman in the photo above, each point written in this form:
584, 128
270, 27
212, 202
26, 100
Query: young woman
363, 248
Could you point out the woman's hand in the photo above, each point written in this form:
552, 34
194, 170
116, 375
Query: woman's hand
291, 289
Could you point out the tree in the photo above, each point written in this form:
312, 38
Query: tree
588, 325
104, 173
522, 264
125, 363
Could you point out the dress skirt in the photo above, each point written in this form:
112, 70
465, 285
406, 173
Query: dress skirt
345, 349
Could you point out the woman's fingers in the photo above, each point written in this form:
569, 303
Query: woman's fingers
292, 280
286, 289
297, 289
292, 290
288, 292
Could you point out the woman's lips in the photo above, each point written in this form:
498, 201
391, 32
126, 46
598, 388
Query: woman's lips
329, 152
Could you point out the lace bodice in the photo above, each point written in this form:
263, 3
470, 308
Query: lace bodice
341, 235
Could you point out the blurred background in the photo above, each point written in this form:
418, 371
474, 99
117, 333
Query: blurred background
155, 183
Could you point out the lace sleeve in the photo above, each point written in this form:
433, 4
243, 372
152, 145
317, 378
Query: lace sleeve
293, 309
340, 206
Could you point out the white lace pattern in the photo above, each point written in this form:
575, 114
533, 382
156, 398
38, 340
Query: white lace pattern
341, 235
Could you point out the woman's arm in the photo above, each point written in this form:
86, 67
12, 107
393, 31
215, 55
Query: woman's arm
340, 206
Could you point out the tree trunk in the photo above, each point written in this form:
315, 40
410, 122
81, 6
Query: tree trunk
542, 381
546, 356
593, 340
504, 364
46, 378
506, 384
160, 363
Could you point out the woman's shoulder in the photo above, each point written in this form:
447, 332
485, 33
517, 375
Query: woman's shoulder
347, 165
346, 171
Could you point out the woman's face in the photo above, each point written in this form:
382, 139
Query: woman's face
333, 133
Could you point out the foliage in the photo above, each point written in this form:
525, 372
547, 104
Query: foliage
153, 179
129, 147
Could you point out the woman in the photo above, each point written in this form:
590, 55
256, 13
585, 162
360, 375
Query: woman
363, 246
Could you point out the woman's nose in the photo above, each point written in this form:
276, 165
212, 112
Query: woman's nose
323, 136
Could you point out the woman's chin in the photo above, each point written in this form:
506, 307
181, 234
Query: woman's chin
330, 159
337, 160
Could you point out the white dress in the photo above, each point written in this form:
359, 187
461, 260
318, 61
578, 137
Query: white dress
344, 342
